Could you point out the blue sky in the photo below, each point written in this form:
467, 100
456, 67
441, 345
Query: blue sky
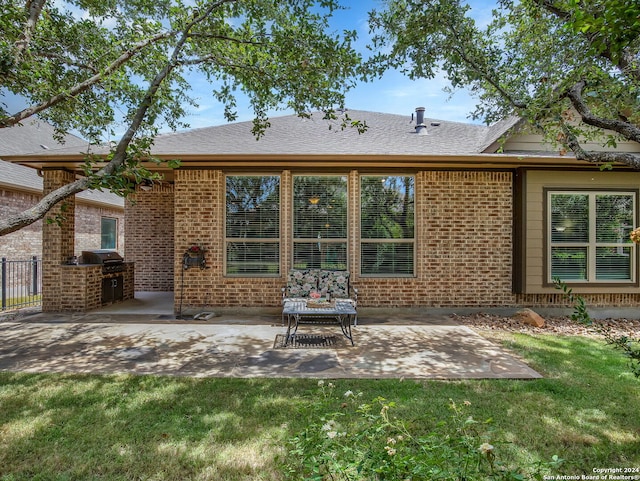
393, 93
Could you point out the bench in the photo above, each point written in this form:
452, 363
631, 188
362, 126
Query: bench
329, 284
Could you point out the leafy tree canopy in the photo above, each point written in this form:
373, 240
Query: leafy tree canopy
89, 65
571, 68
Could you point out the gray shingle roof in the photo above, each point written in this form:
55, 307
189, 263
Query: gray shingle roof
36, 136
387, 134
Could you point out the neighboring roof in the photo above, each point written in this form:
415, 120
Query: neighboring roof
36, 137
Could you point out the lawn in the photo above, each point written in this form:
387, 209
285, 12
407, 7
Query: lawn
87, 427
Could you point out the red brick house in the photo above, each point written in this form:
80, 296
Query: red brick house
423, 213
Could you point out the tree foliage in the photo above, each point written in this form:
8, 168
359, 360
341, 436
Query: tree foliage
92, 65
570, 68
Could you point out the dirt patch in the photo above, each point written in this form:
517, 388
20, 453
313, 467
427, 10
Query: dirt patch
553, 325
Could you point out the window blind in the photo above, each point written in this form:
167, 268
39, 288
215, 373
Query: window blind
252, 225
320, 222
387, 239
589, 236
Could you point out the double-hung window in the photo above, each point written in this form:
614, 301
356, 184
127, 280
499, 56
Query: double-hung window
252, 239
320, 222
387, 234
588, 236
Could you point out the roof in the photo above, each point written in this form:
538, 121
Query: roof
386, 134
36, 137
390, 141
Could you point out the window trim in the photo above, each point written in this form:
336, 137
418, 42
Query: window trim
256, 240
116, 234
363, 240
590, 244
327, 240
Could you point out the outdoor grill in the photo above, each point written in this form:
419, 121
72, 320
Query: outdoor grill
110, 261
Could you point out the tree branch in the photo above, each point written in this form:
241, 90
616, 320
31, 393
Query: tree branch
626, 62
37, 212
629, 159
34, 8
626, 129
487, 76
83, 86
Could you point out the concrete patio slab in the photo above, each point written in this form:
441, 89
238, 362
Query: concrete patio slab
123, 344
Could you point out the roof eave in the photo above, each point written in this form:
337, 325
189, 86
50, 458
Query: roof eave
275, 160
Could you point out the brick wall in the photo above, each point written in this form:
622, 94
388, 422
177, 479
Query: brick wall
27, 242
463, 248
89, 226
149, 230
57, 241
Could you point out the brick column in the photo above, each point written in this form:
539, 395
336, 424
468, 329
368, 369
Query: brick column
58, 237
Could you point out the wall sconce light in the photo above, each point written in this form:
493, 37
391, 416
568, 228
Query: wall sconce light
146, 185
314, 200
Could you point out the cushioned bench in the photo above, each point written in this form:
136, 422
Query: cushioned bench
328, 283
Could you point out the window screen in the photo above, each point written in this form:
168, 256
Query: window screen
387, 239
320, 222
252, 225
589, 236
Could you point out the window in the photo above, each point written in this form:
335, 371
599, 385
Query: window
108, 233
387, 241
320, 222
589, 236
252, 238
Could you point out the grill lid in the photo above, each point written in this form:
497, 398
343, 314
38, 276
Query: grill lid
101, 256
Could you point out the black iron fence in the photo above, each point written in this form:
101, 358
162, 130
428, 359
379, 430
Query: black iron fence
21, 283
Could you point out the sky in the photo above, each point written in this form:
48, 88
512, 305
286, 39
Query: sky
393, 93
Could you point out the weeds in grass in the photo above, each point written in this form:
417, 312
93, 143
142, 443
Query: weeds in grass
629, 346
367, 441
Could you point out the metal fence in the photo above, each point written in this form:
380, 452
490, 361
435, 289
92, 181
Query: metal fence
21, 283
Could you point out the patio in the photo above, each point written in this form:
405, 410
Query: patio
142, 336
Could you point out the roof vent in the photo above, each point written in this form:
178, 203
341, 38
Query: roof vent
421, 128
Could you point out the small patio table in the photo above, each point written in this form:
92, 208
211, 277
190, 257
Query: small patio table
338, 312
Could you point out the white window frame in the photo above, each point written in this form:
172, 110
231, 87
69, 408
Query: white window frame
591, 244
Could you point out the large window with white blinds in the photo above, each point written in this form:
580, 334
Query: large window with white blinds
320, 221
252, 225
588, 236
387, 235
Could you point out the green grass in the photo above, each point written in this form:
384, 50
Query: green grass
86, 427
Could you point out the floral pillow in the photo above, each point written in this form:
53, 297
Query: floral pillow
302, 282
335, 283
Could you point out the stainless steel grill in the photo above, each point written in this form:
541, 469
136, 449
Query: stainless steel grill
110, 261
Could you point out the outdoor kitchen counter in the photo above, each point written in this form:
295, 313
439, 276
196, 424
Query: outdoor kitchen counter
86, 286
